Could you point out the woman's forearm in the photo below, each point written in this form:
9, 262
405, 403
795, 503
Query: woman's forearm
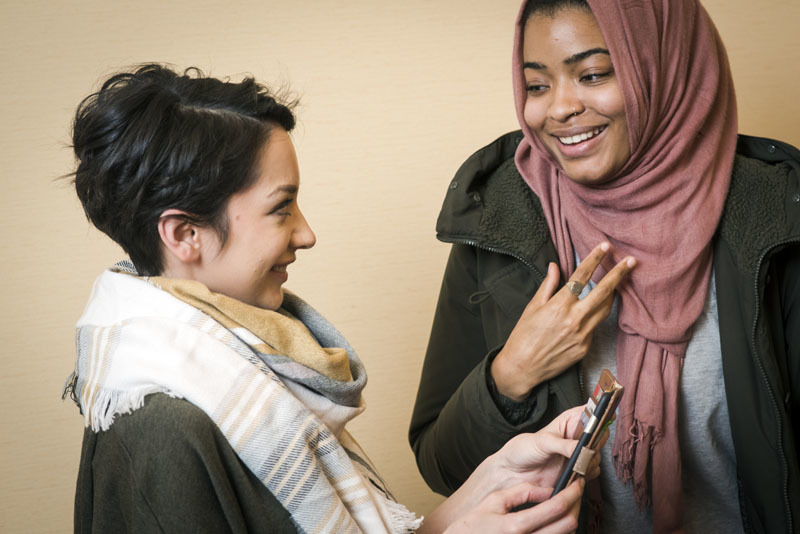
466, 498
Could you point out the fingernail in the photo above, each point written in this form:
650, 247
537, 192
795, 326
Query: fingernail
604, 246
631, 262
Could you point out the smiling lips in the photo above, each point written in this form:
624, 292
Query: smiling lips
279, 272
578, 138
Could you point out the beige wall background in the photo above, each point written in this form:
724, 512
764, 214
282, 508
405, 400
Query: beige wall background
395, 95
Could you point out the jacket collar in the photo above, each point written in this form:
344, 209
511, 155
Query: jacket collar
762, 209
488, 205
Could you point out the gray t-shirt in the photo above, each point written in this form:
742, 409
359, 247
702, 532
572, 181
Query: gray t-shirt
710, 495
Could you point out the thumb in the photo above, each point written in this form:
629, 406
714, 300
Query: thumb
548, 287
523, 493
566, 447
555, 445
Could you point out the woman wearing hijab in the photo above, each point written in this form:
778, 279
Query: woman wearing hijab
679, 243
215, 401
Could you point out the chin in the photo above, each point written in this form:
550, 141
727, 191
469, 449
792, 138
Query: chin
273, 301
587, 174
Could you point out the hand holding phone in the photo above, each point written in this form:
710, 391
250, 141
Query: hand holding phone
599, 411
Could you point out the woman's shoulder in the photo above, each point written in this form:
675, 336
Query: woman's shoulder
168, 458
766, 149
765, 178
488, 197
486, 160
765, 173
162, 429
167, 416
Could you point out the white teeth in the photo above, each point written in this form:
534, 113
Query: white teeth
580, 137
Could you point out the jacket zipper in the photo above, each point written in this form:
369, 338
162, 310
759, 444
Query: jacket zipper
786, 502
473, 243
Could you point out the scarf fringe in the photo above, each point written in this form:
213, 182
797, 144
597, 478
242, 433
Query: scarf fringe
641, 494
109, 403
400, 518
624, 459
69, 388
594, 503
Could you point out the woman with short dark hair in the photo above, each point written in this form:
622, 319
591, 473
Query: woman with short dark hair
152, 140
214, 400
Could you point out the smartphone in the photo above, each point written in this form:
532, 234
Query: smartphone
598, 414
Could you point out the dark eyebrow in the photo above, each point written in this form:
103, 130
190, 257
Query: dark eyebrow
533, 65
291, 189
580, 56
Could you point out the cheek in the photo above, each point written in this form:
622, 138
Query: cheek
534, 115
611, 104
274, 249
616, 109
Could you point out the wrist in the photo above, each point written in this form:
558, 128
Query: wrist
485, 479
507, 379
465, 499
496, 473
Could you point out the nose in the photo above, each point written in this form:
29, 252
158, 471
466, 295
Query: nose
566, 102
303, 236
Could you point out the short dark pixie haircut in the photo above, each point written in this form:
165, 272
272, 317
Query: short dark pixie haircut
549, 8
154, 139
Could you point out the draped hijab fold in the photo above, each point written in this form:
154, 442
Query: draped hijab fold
662, 207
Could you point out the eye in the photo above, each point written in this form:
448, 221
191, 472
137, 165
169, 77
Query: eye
281, 209
596, 77
535, 88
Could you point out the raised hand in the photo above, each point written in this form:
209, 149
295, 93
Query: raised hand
555, 330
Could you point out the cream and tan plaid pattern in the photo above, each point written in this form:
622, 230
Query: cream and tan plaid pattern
135, 339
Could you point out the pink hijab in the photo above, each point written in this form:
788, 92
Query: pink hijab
662, 207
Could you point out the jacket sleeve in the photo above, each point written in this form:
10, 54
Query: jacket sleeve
167, 468
456, 421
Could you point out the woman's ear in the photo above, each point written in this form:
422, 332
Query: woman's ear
181, 238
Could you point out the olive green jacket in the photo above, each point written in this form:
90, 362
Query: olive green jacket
166, 467
501, 249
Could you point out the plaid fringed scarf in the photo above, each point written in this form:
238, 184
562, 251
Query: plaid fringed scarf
270, 381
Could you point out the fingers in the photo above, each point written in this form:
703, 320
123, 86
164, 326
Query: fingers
553, 444
604, 290
520, 494
553, 516
555, 329
568, 423
548, 286
587, 267
569, 521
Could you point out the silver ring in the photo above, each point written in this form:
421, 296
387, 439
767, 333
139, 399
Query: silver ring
575, 287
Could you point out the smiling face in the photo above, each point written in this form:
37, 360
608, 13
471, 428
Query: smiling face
574, 104
265, 229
